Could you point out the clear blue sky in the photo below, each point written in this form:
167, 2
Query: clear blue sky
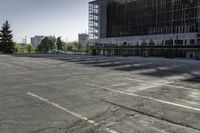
64, 18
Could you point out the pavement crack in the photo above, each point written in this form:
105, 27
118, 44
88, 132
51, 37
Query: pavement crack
153, 116
46, 128
73, 125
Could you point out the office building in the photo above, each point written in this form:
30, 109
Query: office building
169, 28
35, 41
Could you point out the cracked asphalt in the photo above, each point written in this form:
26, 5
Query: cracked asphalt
86, 94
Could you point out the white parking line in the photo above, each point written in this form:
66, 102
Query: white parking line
160, 84
118, 85
70, 112
144, 97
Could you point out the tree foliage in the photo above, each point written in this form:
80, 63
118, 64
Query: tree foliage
47, 45
20, 48
75, 46
55, 45
29, 48
59, 44
68, 47
6, 39
52, 44
44, 46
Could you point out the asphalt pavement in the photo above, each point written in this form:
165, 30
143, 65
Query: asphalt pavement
87, 94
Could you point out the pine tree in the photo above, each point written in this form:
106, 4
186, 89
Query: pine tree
59, 44
44, 46
53, 43
6, 39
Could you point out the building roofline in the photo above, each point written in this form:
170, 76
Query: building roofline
93, 1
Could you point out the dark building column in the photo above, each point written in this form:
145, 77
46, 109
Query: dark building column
103, 18
198, 15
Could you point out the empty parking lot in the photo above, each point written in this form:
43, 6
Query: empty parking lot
85, 94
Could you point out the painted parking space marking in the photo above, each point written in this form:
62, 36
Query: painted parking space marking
144, 97
141, 88
70, 112
118, 85
160, 84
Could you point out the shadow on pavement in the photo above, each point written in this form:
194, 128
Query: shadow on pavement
159, 67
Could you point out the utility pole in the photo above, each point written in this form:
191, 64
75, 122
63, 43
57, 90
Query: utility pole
25, 40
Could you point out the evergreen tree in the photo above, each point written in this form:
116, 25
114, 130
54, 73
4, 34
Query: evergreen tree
59, 44
53, 43
45, 45
6, 39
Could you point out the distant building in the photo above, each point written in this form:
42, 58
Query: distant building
35, 41
83, 39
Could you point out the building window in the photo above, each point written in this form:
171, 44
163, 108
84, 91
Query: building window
192, 41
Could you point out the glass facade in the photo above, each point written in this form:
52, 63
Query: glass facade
147, 17
94, 20
168, 28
